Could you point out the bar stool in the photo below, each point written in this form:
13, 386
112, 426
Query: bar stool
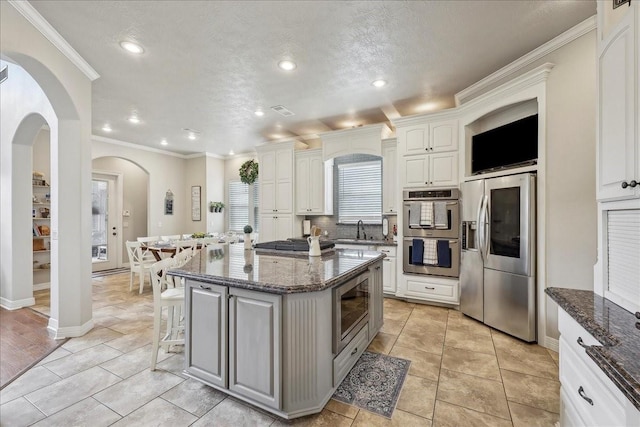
173, 299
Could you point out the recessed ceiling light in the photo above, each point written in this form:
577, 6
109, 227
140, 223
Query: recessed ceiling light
259, 113
192, 136
287, 65
231, 153
134, 119
131, 47
164, 142
379, 83
106, 128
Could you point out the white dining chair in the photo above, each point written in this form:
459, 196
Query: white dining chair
171, 238
148, 241
184, 244
205, 241
138, 264
173, 299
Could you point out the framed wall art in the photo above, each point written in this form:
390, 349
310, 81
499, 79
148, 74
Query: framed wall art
195, 203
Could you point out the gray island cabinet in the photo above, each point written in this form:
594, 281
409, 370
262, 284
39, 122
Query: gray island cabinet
263, 326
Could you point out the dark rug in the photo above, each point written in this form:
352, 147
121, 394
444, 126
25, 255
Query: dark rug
110, 272
374, 383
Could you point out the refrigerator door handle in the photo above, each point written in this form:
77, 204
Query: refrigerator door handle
484, 221
479, 227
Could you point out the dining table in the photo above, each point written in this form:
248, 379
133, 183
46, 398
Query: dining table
168, 248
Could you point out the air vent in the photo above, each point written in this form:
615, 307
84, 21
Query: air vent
283, 111
4, 74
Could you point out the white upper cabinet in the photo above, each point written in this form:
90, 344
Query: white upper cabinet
437, 170
619, 113
313, 183
276, 179
426, 138
389, 177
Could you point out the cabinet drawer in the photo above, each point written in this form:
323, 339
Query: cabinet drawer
345, 360
571, 331
447, 292
579, 379
390, 251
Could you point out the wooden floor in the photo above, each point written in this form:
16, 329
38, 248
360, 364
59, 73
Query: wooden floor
23, 342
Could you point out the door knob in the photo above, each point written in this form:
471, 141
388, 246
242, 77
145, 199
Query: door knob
114, 234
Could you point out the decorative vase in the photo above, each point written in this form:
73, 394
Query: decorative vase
247, 240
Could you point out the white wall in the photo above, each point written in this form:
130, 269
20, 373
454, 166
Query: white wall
42, 155
571, 169
215, 192
166, 172
53, 87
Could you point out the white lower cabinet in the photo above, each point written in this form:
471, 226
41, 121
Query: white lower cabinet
236, 331
388, 269
588, 397
430, 288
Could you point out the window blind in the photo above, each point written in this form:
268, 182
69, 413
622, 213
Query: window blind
238, 206
360, 192
623, 253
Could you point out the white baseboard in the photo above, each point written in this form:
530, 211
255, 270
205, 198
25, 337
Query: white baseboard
42, 286
17, 304
551, 344
68, 332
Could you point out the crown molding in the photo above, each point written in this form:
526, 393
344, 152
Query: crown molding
568, 36
41, 24
139, 147
422, 118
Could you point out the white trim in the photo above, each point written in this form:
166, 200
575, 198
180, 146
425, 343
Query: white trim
42, 286
568, 36
68, 332
136, 146
41, 24
551, 344
15, 305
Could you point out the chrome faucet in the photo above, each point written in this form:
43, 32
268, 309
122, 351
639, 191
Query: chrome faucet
364, 234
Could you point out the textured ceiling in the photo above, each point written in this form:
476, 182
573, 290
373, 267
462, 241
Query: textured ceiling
208, 65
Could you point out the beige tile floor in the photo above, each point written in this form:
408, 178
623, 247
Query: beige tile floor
462, 374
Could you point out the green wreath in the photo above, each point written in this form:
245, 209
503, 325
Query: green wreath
249, 172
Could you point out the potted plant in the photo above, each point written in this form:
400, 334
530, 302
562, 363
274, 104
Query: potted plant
216, 206
247, 236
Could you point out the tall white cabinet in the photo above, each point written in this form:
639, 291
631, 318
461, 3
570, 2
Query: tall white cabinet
313, 183
429, 151
277, 219
617, 272
389, 176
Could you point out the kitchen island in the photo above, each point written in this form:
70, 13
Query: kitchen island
279, 330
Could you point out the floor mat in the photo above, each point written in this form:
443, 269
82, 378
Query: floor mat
374, 383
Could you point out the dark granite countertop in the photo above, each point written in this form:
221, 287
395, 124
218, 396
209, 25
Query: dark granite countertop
285, 273
616, 328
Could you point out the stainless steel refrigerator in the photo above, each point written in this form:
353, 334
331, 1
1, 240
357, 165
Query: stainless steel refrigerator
497, 268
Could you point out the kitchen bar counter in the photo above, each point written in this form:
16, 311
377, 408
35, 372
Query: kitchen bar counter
615, 328
232, 265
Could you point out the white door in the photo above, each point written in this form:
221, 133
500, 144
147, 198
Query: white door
105, 229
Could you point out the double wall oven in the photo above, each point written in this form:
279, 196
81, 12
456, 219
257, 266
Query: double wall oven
431, 228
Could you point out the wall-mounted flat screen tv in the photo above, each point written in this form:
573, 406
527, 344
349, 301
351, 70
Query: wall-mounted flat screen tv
512, 145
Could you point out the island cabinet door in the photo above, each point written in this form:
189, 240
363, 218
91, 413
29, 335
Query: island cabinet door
254, 346
206, 333
375, 300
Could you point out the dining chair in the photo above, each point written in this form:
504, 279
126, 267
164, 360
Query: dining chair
205, 241
171, 238
173, 299
138, 264
148, 241
184, 244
